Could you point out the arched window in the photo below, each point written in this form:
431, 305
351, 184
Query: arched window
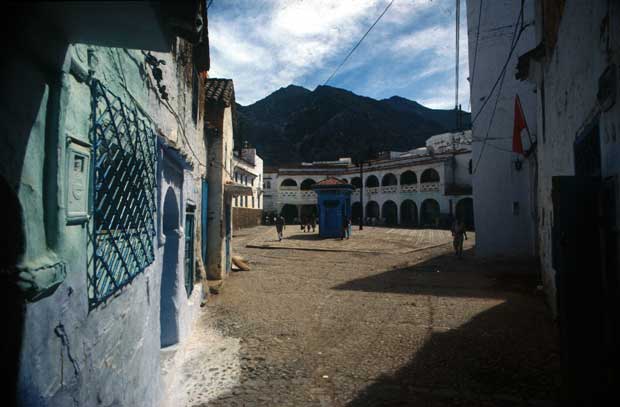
372, 209
429, 175
307, 184
288, 183
408, 178
372, 181
389, 213
429, 213
389, 179
408, 213
356, 182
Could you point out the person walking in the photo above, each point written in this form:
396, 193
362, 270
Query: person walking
280, 225
458, 234
313, 222
345, 227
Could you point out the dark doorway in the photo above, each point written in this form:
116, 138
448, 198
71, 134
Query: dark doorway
465, 212
372, 210
429, 213
308, 211
290, 213
389, 212
168, 315
408, 213
356, 212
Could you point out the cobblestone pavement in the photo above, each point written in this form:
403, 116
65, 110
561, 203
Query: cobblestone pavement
364, 327
370, 240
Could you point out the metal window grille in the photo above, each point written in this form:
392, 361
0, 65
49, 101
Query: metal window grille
123, 225
189, 251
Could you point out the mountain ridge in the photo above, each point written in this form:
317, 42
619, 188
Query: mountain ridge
296, 124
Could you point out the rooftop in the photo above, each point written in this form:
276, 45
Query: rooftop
332, 181
220, 91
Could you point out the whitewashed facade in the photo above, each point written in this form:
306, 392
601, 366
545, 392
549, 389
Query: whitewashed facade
504, 190
248, 171
421, 187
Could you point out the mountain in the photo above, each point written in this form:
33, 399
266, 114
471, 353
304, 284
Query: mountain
295, 124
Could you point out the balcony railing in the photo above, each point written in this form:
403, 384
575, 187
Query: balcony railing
409, 188
429, 186
389, 189
297, 197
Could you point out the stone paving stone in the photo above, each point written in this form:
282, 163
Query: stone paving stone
381, 326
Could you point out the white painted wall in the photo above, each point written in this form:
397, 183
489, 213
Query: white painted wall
570, 91
277, 196
254, 174
497, 185
220, 153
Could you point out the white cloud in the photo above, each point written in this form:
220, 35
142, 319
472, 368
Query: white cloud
267, 45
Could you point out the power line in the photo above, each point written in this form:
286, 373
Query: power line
503, 70
473, 70
358, 43
500, 80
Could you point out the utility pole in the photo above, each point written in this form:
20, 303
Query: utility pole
456, 77
361, 195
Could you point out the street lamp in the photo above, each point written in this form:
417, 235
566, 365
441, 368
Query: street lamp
363, 158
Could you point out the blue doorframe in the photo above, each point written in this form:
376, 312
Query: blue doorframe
203, 220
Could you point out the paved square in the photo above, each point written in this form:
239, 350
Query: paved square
378, 321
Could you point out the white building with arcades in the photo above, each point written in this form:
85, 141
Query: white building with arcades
423, 187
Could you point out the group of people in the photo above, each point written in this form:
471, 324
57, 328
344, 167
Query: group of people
458, 229
308, 222
306, 225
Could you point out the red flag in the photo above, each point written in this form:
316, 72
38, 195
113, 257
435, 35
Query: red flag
520, 124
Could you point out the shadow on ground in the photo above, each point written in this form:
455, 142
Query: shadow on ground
499, 358
504, 356
305, 236
447, 276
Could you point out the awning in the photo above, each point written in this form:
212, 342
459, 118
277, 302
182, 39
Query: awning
237, 189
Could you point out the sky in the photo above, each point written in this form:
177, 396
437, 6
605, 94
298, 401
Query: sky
264, 45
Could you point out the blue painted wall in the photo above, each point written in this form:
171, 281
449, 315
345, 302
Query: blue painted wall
334, 205
70, 354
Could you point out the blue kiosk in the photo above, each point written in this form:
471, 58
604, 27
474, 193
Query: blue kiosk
334, 203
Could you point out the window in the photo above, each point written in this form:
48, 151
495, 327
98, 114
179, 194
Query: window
123, 225
189, 250
252, 202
